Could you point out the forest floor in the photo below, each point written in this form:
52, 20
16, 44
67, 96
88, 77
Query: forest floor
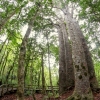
40, 96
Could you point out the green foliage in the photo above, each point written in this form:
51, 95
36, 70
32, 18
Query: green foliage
54, 51
97, 70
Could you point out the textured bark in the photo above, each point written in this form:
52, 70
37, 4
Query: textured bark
91, 71
68, 58
62, 65
21, 64
82, 84
66, 73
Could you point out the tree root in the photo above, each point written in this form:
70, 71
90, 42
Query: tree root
81, 97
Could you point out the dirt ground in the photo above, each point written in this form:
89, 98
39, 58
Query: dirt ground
40, 96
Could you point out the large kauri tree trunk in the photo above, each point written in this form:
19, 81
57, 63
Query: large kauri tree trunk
91, 71
62, 65
82, 89
68, 59
66, 72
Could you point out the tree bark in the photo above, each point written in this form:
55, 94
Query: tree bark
21, 64
3, 67
3, 44
82, 84
68, 58
9, 71
91, 71
3, 22
48, 49
66, 71
62, 64
43, 78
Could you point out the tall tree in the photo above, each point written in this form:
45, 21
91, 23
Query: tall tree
68, 58
43, 78
48, 50
21, 64
91, 71
82, 85
66, 72
62, 65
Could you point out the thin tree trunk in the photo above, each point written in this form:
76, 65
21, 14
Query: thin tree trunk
48, 49
3, 67
39, 77
12, 75
3, 22
26, 68
43, 78
21, 64
3, 44
3, 56
31, 82
11, 68
27, 63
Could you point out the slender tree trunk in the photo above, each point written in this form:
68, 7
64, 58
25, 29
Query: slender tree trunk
3, 67
43, 78
26, 68
21, 64
3, 56
82, 84
3, 44
12, 74
11, 68
28, 59
2, 61
39, 77
49, 65
3, 22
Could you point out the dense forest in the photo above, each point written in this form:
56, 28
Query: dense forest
50, 47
